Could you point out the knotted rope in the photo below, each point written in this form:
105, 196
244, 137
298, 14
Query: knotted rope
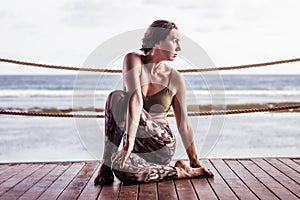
192, 114
120, 71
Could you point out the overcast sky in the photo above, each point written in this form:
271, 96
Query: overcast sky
232, 32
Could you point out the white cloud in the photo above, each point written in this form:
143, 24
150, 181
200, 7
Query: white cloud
4, 14
232, 32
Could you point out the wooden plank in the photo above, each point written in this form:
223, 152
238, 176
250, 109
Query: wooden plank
267, 180
4, 168
185, 189
75, 187
289, 162
28, 182
251, 181
11, 182
129, 192
284, 169
203, 188
149, 191
284, 180
61, 183
221, 189
35, 191
234, 182
13, 170
91, 191
110, 191
166, 190
297, 160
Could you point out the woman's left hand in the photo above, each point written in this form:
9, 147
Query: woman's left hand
122, 156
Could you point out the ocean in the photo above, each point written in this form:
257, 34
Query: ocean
46, 139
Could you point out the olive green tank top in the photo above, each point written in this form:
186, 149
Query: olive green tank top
159, 102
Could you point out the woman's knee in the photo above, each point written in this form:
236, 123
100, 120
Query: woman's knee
116, 102
114, 96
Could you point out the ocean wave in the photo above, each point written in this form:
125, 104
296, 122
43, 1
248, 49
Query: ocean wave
246, 92
52, 93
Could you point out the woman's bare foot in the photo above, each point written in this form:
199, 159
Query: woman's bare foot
185, 171
105, 176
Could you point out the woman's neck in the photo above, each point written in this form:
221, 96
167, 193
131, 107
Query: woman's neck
152, 62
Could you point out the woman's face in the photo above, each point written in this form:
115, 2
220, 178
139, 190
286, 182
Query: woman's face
169, 46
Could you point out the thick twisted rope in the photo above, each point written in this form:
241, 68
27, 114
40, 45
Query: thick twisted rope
192, 114
119, 71
240, 66
240, 111
17, 62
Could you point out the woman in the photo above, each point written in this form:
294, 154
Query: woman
138, 114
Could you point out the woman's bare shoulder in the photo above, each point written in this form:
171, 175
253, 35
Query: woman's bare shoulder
175, 74
177, 80
132, 60
133, 56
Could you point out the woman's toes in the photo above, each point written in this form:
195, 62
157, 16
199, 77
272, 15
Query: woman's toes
208, 173
188, 172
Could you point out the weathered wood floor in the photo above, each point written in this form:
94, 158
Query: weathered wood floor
260, 178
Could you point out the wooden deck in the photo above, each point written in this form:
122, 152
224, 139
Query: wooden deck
259, 178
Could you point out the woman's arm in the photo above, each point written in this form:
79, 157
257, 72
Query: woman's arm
180, 112
131, 77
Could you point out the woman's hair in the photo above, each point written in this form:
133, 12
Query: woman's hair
157, 31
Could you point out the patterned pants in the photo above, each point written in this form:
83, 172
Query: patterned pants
153, 149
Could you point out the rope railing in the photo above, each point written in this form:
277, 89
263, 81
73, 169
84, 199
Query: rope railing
221, 112
192, 114
17, 62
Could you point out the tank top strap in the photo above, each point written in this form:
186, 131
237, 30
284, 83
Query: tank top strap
170, 76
